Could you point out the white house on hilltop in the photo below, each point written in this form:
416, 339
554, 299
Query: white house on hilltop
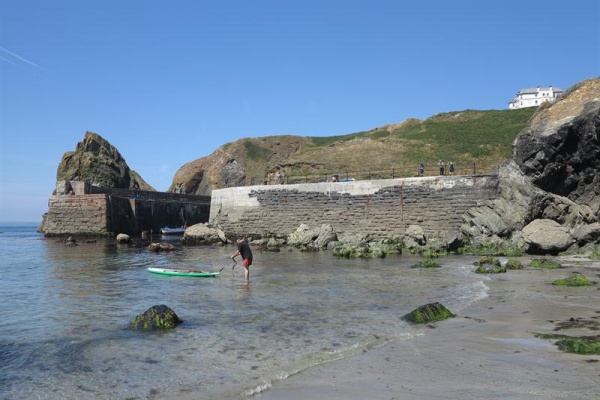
532, 97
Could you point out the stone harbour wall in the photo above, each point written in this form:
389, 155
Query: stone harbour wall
117, 212
382, 208
72, 214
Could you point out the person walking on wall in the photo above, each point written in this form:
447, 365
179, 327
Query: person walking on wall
243, 249
421, 169
451, 167
442, 167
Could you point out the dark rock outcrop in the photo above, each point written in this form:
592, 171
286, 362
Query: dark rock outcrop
554, 175
155, 318
560, 149
99, 163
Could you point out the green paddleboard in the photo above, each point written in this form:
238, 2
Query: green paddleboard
182, 272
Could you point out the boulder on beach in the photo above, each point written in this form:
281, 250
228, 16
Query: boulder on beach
429, 313
155, 318
203, 233
575, 279
545, 236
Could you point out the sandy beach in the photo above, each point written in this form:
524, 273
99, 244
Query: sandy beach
489, 351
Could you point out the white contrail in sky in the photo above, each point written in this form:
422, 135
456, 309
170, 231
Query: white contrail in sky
18, 57
8, 61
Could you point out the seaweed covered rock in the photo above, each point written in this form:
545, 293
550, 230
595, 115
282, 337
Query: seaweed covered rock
544, 264
576, 279
513, 264
155, 318
573, 344
359, 251
429, 313
426, 264
489, 265
490, 269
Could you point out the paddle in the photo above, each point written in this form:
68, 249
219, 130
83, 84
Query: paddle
234, 262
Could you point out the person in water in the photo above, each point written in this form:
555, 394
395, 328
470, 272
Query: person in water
243, 249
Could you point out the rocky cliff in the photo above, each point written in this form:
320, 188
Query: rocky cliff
550, 189
99, 163
560, 149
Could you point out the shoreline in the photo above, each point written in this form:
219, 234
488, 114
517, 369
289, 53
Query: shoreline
488, 351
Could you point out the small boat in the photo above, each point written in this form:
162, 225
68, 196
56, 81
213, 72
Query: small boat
196, 273
172, 231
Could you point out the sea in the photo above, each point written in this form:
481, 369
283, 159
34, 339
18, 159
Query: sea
65, 311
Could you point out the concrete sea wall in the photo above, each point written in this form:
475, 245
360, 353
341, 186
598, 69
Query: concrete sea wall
381, 208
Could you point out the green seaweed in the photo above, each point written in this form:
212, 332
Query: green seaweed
544, 264
489, 260
488, 249
576, 345
576, 279
358, 252
155, 318
430, 253
429, 313
490, 269
514, 264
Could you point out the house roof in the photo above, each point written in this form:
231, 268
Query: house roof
535, 89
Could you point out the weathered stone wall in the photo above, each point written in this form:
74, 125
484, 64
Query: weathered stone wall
76, 214
382, 208
121, 211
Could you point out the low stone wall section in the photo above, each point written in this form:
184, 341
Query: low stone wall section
382, 208
75, 214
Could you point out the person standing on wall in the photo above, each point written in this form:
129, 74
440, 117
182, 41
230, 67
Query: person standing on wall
421, 169
451, 167
441, 164
243, 249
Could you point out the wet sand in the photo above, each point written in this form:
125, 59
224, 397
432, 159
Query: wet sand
488, 351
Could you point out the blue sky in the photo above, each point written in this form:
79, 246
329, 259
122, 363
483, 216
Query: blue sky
168, 82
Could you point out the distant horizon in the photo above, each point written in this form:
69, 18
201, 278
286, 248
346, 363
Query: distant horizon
18, 223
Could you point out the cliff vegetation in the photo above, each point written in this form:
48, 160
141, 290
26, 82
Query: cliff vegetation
475, 141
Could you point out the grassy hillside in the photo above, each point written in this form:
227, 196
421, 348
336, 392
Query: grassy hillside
470, 138
475, 141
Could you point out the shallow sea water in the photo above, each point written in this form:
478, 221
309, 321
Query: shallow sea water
65, 309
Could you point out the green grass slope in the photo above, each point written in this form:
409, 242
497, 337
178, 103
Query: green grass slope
476, 141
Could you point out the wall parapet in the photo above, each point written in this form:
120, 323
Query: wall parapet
382, 208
